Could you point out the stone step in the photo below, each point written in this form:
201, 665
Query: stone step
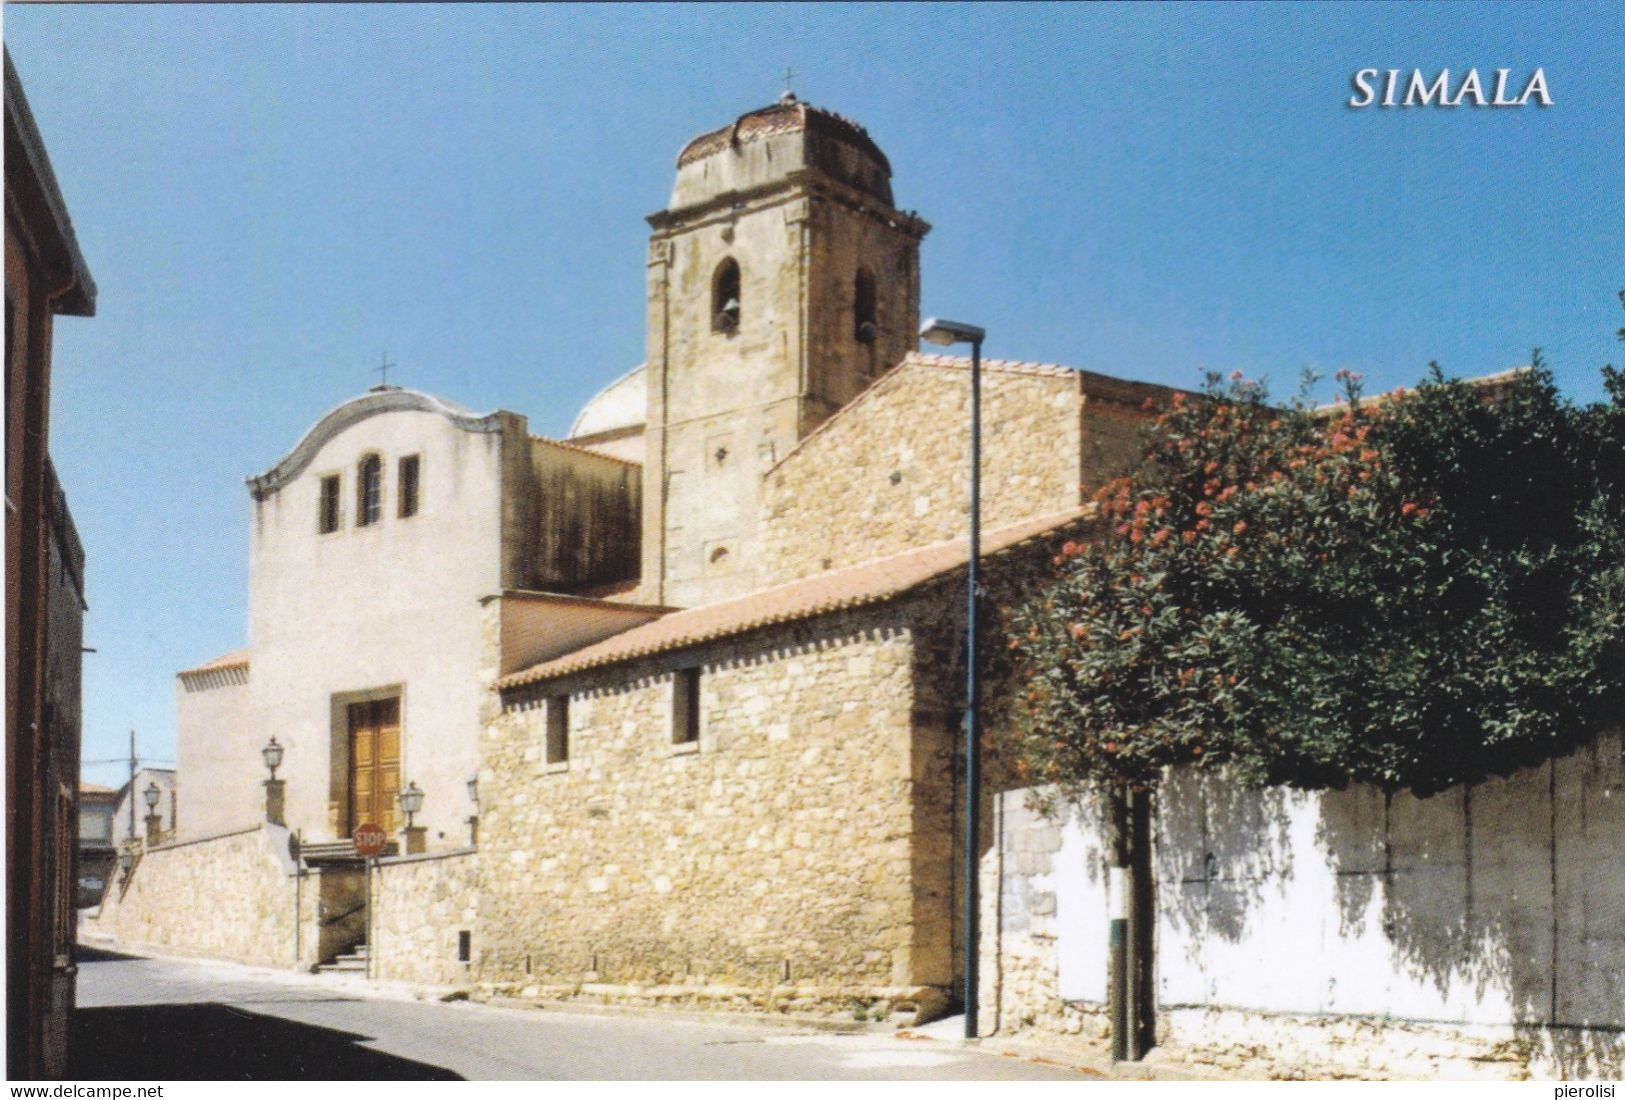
343, 966
353, 962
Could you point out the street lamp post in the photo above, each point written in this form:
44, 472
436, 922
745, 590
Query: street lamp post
411, 802
275, 789
154, 820
944, 334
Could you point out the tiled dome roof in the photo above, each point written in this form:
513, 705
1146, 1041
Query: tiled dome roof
789, 115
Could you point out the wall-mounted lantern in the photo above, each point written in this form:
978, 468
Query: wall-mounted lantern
155, 821
275, 796
273, 756
411, 802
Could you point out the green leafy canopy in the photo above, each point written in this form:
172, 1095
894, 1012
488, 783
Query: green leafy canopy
1415, 591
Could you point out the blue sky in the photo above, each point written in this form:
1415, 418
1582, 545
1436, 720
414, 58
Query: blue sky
272, 197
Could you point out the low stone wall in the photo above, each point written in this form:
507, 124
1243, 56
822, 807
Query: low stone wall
235, 896
1480, 932
1294, 1046
420, 906
904, 1005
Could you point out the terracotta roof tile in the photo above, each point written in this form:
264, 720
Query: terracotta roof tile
562, 445
237, 658
839, 589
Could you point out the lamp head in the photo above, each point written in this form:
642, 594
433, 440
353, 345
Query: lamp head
411, 799
945, 333
151, 796
273, 755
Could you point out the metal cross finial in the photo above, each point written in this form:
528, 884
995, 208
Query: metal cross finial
383, 370
789, 78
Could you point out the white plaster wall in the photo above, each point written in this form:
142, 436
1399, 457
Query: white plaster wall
390, 605
1082, 907
216, 783
1495, 904
1483, 927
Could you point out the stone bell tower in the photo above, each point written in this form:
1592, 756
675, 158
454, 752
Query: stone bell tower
782, 282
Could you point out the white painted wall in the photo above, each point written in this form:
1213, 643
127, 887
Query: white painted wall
1500, 904
217, 786
388, 607
1082, 907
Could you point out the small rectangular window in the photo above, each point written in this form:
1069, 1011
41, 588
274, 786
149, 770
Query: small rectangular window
465, 945
558, 729
409, 486
328, 520
685, 706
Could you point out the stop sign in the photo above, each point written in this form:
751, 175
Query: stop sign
369, 840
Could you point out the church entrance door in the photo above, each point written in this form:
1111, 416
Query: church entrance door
375, 764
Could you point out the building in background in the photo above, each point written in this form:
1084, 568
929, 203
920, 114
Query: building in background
131, 809
98, 853
46, 276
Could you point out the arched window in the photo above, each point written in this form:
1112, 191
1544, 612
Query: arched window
369, 491
863, 307
725, 297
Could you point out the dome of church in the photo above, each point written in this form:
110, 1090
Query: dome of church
775, 141
618, 405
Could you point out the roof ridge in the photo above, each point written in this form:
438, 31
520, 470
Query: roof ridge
733, 617
1003, 366
583, 450
232, 658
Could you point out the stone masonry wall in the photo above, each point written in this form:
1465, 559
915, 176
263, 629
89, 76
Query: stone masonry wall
889, 473
1034, 976
768, 866
420, 904
229, 897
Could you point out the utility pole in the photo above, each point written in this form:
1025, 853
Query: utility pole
132, 785
1129, 887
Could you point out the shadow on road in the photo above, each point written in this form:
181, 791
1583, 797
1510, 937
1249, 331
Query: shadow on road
214, 1042
83, 954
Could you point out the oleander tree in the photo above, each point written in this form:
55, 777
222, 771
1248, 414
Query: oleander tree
1416, 590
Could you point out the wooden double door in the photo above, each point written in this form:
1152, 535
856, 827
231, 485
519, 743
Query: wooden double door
375, 764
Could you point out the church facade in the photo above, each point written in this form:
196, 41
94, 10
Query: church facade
373, 543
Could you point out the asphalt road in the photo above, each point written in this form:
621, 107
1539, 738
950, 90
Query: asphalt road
164, 1019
